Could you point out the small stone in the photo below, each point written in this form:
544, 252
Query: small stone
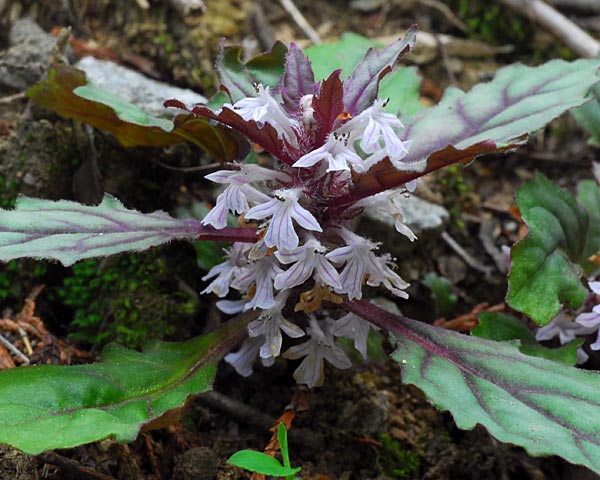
136, 88
199, 463
427, 221
27, 58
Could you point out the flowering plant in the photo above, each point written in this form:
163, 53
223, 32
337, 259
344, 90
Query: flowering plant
295, 266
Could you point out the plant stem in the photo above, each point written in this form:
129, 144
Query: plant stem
228, 234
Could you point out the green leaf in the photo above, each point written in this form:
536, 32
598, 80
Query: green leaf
588, 195
543, 406
283, 444
239, 79
124, 110
544, 273
501, 327
68, 231
67, 92
402, 87
47, 407
588, 116
260, 463
345, 53
441, 290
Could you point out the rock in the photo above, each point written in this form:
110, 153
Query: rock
427, 221
199, 463
136, 88
27, 58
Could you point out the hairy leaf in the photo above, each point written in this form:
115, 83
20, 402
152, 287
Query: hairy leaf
239, 79
67, 92
298, 79
501, 327
543, 406
401, 87
260, 463
47, 407
497, 116
588, 195
68, 231
360, 89
544, 273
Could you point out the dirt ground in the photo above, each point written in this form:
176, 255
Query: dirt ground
363, 424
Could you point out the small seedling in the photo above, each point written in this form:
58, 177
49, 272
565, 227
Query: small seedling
259, 462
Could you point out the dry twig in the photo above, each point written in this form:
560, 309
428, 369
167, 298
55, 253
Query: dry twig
574, 37
300, 20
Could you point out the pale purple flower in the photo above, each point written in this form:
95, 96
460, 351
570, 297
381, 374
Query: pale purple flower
226, 271
381, 274
336, 152
372, 126
592, 319
244, 358
306, 259
260, 273
355, 255
354, 327
564, 328
320, 347
238, 194
282, 210
265, 109
269, 326
390, 202
361, 263
231, 307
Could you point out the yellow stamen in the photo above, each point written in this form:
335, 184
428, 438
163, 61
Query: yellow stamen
311, 300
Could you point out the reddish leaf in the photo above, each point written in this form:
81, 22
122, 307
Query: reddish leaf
265, 135
328, 105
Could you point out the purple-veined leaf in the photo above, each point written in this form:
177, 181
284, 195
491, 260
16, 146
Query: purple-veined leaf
298, 78
544, 265
544, 406
47, 407
360, 90
68, 231
327, 105
67, 92
491, 117
238, 79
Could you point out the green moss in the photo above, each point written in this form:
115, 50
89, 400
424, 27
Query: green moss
127, 298
458, 195
493, 23
8, 193
396, 461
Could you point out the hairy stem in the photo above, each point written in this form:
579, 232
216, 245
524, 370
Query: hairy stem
228, 234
